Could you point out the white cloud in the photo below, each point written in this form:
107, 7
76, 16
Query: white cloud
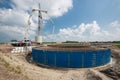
11, 17
14, 20
88, 32
55, 8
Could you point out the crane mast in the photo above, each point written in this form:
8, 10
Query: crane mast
39, 21
38, 38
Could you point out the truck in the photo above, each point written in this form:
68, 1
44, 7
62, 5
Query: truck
21, 43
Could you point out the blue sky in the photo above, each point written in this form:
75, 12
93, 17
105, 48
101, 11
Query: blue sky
80, 20
86, 11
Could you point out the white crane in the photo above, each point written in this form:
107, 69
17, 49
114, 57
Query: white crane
39, 15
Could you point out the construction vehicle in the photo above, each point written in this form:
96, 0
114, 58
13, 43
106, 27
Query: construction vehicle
21, 43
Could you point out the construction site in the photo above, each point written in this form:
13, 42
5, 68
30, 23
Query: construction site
28, 60
20, 66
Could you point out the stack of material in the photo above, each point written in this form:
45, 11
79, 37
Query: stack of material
18, 50
21, 49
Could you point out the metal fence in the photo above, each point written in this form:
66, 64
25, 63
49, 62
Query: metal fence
83, 59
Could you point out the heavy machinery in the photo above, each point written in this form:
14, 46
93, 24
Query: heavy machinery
38, 38
21, 43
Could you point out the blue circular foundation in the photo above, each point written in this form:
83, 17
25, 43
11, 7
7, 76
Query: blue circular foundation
71, 59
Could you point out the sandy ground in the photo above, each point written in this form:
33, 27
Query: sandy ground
34, 72
7, 74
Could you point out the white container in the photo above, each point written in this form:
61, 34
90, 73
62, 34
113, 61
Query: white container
19, 48
12, 51
16, 48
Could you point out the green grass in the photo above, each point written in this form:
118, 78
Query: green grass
118, 45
